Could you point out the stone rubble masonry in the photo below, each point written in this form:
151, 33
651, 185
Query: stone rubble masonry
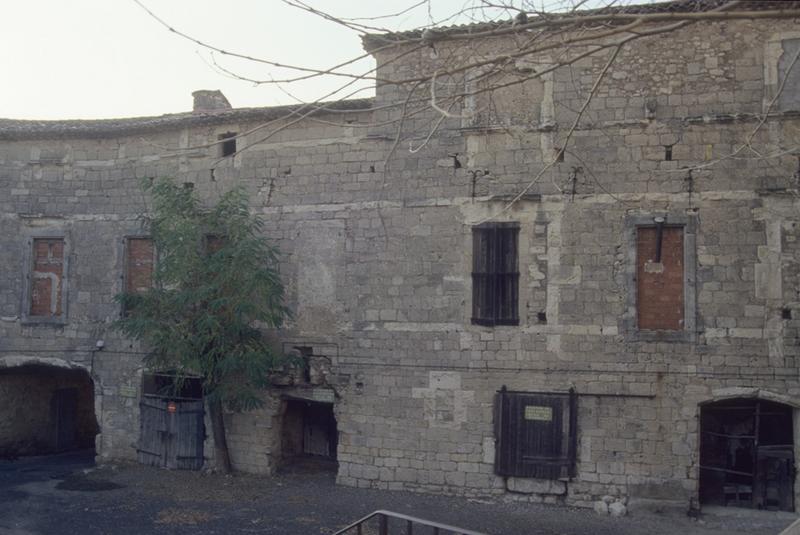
377, 260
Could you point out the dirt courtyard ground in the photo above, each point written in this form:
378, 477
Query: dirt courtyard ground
66, 494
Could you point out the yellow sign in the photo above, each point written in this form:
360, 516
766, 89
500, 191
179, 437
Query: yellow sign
543, 414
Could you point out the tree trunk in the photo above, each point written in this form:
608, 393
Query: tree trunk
221, 455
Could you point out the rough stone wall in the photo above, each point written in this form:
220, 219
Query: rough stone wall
378, 260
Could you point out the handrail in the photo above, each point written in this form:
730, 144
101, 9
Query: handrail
383, 529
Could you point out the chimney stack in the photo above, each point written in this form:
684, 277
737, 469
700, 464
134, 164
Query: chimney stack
210, 101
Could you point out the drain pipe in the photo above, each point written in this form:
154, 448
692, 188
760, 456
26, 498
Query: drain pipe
659, 237
98, 346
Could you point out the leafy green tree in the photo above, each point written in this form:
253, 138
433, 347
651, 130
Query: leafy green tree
215, 286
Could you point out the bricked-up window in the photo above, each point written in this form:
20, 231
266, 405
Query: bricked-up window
214, 243
660, 278
495, 274
139, 263
789, 76
536, 434
47, 273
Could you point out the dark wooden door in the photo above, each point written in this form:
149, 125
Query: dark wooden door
171, 433
64, 416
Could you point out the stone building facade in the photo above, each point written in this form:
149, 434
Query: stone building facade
559, 349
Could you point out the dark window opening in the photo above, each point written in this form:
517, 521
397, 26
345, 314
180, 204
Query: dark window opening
168, 385
786, 313
228, 145
495, 274
668, 153
747, 454
660, 278
309, 436
536, 434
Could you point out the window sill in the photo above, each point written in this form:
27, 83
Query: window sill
495, 323
34, 321
661, 336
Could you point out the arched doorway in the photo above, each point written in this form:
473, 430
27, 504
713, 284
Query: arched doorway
45, 409
747, 454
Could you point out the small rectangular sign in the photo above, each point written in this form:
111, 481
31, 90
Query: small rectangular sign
127, 391
542, 414
323, 395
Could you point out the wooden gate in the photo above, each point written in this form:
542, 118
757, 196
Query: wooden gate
171, 433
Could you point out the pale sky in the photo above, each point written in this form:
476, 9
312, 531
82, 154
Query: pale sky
89, 59
67, 59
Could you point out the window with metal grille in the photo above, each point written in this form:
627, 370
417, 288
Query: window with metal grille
495, 274
536, 434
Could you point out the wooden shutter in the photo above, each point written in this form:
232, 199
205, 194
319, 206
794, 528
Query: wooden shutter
495, 274
536, 434
482, 296
507, 276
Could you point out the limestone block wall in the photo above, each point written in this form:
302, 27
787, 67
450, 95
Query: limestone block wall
378, 256
721, 67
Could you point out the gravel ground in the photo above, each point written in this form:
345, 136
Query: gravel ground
67, 495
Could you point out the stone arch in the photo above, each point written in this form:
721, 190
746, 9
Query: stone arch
721, 394
17, 361
47, 405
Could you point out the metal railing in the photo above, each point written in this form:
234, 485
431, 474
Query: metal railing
409, 521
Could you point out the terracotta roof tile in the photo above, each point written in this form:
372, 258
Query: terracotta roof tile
372, 41
13, 129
